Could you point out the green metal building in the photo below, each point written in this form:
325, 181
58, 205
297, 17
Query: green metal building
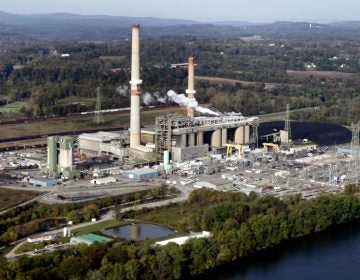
89, 239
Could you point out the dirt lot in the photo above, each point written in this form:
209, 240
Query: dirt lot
9, 198
326, 74
232, 81
78, 123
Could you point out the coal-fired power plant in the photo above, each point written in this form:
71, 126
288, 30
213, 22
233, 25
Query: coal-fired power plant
191, 87
183, 137
135, 88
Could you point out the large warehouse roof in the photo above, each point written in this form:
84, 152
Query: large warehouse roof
141, 171
100, 136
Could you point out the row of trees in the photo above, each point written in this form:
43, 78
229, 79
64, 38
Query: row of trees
241, 225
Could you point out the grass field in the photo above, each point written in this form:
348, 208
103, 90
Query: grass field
12, 107
9, 198
167, 216
97, 227
26, 247
78, 123
74, 99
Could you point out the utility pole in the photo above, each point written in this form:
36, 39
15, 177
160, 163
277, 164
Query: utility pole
355, 149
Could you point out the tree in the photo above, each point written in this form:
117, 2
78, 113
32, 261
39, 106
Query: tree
90, 211
350, 189
132, 269
74, 216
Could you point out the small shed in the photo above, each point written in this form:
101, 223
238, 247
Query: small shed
141, 174
89, 239
43, 182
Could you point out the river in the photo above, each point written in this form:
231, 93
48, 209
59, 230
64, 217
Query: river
334, 254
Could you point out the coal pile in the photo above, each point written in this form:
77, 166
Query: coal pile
323, 134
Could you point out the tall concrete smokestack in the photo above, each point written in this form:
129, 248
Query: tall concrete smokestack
191, 89
135, 88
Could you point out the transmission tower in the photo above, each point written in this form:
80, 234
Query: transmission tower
98, 119
287, 127
355, 148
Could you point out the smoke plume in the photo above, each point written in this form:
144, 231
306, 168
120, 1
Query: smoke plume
184, 101
159, 98
123, 90
147, 98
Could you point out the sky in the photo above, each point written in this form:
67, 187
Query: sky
200, 10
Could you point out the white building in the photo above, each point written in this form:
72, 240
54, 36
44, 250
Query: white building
182, 240
218, 184
104, 143
103, 181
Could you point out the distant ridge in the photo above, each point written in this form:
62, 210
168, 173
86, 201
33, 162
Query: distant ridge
352, 24
235, 23
73, 27
100, 20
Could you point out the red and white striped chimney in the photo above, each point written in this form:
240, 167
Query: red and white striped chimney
191, 88
135, 88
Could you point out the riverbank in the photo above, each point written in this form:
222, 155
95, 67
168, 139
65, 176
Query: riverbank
241, 225
331, 254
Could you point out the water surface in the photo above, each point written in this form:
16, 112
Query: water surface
139, 231
334, 254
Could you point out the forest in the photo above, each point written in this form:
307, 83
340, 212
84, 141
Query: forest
241, 225
268, 74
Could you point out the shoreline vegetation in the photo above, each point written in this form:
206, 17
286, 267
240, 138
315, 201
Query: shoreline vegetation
241, 225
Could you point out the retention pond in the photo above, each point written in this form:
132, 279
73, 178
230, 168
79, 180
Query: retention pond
139, 231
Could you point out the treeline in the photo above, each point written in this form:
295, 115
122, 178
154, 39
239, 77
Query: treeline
241, 225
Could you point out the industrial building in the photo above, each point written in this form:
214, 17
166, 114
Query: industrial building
100, 143
183, 239
103, 181
189, 137
218, 184
141, 174
60, 158
89, 239
43, 182
180, 134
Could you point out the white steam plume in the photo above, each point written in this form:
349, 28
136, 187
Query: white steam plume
159, 98
123, 90
147, 98
184, 101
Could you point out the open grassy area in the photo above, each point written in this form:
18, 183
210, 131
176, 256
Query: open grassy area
167, 216
74, 99
78, 123
26, 247
97, 227
12, 107
9, 198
